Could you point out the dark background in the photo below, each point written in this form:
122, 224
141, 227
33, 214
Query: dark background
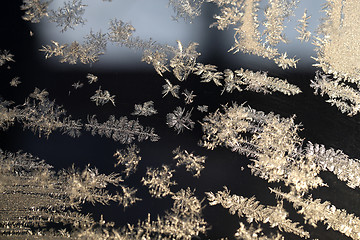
321, 124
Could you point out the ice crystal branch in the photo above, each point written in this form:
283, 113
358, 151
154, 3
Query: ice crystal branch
123, 130
159, 181
179, 120
250, 208
88, 52
244, 80
314, 211
335, 161
69, 15
302, 29
188, 96
193, 163
129, 158
344, 97
146, 109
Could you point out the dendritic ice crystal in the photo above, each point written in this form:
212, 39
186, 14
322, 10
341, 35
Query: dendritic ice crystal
176, 146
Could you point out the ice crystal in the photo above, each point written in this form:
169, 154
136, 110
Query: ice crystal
92, 78
186, 9
188, 96
123, 130
15, 82
6, 56
203, 108
271, 141
102, 97
146, 109
170, 88
129, 158
159, 181
254, 211
179, 120
77, 85
35, 10
302, 29
314, 211
193, 163
69, 15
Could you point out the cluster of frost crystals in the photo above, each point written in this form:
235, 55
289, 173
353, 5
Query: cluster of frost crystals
250, 208
92, 78
34, 196
180, 120
193, 163
68, 16
88, 52
129, 158
159, 181
40, 115
244, 80
35, 10
247, 37
271, 141
146, 109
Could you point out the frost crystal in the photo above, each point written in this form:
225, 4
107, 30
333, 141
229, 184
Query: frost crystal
189, 96
92, 78
5, 56
69, 15
34, 10
147, 109
169, 88
192, 162
128, 158
159, 181
123, 130
15, 82
179, 120
102, 97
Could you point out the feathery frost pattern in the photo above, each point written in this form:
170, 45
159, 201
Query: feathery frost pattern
314, 211
193, 163
121, 130
254, 211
